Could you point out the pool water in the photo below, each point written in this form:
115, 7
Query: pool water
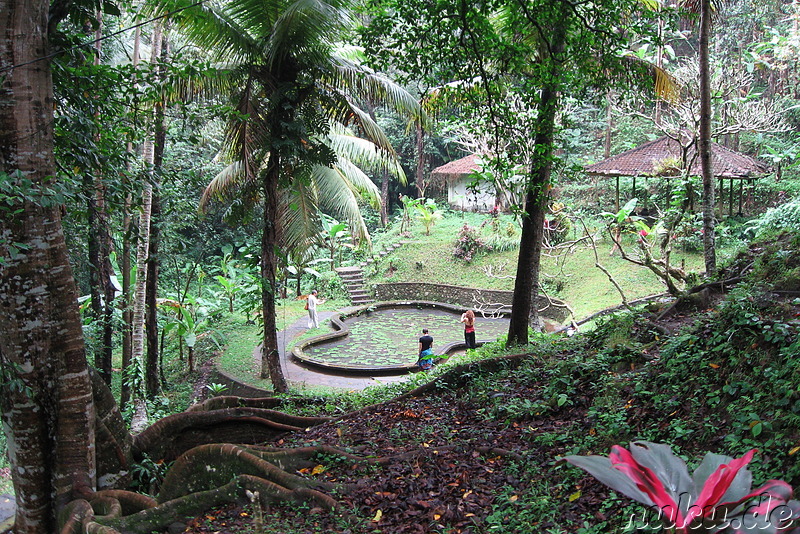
390, 337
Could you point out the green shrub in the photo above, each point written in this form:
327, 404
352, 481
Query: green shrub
331, 286
785, 217
469, 243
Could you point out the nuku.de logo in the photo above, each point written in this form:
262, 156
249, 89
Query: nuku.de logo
761, 513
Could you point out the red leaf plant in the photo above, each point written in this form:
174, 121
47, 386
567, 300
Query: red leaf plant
716, 498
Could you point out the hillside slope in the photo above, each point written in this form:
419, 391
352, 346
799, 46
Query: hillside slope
569, 272
476, 449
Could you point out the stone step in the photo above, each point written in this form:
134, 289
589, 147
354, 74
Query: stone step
358, 293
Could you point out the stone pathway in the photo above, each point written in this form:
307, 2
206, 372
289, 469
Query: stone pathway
301, 374
7, 510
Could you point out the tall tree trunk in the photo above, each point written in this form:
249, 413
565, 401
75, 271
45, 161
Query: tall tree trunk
385, 199
101, 288
45, 393
143, 246
127, 298
152, 382
704, 141
526, 284
270, 356
421, 160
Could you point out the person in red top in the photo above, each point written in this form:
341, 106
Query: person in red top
468, 318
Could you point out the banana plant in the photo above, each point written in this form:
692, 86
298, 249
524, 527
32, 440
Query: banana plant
717, 498
189, 329
232, 277
428, 214
335, 237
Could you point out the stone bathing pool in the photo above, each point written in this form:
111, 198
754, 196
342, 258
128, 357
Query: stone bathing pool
382, 338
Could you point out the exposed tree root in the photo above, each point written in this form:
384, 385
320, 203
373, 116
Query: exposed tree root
222, 402
171, 436
204, 477
129, 501
209, 466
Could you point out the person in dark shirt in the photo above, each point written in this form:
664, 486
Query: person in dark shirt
425, 360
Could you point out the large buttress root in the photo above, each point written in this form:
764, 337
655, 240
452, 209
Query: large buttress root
171, 436
205, 477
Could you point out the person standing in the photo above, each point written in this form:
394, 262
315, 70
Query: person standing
311, 306
468, 318
425, 360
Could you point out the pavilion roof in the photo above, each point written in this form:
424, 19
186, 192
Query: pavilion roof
655, 158
459, 167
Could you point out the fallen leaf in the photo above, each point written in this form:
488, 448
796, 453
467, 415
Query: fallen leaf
318, 469
793, 451
575, 496
378, 516
714, 365
513, 498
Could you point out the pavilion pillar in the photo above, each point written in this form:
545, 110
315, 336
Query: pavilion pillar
730, 198
741, 192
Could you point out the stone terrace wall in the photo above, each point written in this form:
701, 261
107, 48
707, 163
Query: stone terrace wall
467, 297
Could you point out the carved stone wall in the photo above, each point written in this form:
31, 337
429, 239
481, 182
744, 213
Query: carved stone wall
466, 297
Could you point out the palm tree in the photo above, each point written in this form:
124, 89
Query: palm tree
338, 190
276, 60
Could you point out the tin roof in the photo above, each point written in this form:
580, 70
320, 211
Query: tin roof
658, 158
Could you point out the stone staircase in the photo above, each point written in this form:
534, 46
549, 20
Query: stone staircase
353, 278
387, 249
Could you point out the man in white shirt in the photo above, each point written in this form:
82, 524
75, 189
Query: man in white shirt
311, 305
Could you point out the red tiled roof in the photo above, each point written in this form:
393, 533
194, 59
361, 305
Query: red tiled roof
647, 158
465, 165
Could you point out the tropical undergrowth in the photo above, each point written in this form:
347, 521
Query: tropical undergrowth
725, 382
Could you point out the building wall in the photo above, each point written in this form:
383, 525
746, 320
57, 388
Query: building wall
460, 197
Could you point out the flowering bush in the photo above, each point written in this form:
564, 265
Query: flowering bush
717, 498
469, 243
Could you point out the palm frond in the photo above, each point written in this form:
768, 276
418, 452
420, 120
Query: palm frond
310, 26
368, 128
229, 182
666, 87
248, 131
364, 153
300, 218
370, 86
212, 28
336, 190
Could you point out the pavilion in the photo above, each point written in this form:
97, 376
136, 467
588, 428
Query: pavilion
663, 159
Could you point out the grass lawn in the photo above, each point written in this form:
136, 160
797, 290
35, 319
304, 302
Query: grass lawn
570, 275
